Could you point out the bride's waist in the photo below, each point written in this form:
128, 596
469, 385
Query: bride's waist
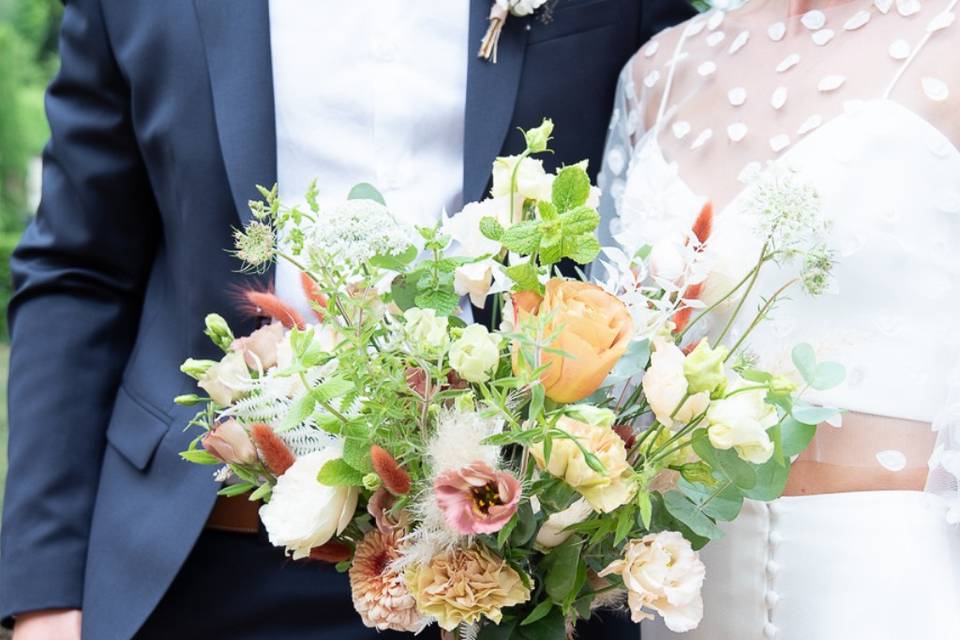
865, 453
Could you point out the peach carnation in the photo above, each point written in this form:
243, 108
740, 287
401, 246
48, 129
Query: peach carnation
380, 594
463, 585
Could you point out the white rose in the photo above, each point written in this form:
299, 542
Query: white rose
464, 227
741, 421
521, 7
667, 261
552, 532
729, 258
426, 330
665, 385
475, 353
664, 573
226, 380
302, 513
533, 183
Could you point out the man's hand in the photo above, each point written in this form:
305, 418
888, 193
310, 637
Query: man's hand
63, 624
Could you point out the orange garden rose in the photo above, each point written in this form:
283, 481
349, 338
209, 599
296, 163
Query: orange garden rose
592, 327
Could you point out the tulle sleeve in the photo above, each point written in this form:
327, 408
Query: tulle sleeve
626, 126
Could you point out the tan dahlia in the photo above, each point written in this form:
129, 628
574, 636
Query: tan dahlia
465, 584
380, 594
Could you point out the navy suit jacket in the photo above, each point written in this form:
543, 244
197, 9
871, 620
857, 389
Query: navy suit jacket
162, 123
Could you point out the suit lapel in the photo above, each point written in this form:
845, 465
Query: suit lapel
236, 38
491, 96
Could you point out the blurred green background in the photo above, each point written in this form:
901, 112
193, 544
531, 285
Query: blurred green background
28, 60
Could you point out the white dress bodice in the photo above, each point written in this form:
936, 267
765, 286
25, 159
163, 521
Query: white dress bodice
718, 108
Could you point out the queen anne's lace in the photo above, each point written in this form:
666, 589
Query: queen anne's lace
357, 230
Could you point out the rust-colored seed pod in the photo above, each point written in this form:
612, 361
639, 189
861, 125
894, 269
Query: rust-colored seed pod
392, 474
273, 451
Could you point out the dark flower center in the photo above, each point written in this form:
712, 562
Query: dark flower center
486, 496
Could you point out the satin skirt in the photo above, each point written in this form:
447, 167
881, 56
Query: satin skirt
881, 565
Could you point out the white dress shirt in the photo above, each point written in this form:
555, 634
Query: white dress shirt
369, 91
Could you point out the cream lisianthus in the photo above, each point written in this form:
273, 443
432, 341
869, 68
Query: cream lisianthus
592, 415
704, 368
533, 182
665, 386
226, 380
554, 531
662, 572
302, 513
475, 354
425, 330
741, 421
604, 491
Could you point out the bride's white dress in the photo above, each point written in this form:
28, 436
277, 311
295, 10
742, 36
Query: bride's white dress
859, 100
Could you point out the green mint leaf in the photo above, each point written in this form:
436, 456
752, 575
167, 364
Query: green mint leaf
491, 228
443, 300
580, 220
582, 249
522, 238
337, 473
524, 275
571, 188
551, 249
547, 211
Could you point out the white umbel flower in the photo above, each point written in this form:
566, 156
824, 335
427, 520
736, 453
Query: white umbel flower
787, 206
356, 230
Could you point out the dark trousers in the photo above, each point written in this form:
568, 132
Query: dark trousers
239, 587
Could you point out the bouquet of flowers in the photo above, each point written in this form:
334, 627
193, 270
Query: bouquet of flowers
497, 483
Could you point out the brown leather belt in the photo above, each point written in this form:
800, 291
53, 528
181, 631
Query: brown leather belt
236, 515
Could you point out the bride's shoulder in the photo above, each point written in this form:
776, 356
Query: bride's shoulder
656, 54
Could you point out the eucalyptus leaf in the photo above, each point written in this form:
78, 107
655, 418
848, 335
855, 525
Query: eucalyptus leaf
771, 481
812, 415
723, 505
795, 436
366, 191
526, 525
681, 508
561, 569
727, 462
828, 375
805, 360
630, 365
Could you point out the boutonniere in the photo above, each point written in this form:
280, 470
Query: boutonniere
499, 13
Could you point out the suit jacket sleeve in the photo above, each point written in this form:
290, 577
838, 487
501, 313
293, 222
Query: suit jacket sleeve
657, 15
79, 274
